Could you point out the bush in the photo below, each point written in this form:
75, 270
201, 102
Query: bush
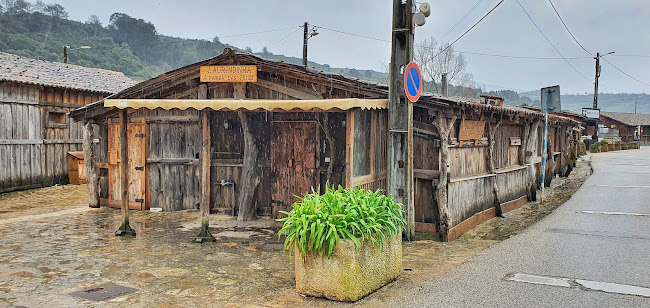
317, 223
583, 149
594, 148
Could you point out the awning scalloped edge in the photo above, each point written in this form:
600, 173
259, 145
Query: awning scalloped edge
248, 104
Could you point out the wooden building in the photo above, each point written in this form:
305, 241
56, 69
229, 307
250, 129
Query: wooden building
631, 126
35, 133
246, 148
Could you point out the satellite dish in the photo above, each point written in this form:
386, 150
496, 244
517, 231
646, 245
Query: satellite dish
419, 19
425, 9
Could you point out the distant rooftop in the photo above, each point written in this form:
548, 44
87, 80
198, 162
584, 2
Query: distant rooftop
52, 74
634, 119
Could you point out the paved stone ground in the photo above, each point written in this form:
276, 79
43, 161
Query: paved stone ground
52, 245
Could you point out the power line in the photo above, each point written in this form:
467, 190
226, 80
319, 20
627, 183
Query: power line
284, 38
259, 32
626, 74
461, 20
353, 34
549, 41
457, 51
567, 28
470, 29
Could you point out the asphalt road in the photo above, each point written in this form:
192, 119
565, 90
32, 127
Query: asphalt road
599, 235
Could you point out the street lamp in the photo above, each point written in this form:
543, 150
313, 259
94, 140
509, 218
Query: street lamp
67, 48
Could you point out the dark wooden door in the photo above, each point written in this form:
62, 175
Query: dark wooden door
294, 162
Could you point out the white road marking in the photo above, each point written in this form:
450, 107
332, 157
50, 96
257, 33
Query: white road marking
607, 287
622, 186
547, 281
614, 288
613, 213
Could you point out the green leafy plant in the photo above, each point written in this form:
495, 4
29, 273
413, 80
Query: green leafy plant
317, 222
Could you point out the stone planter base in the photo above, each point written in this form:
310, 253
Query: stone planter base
349, 274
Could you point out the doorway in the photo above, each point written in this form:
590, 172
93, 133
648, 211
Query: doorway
294, 162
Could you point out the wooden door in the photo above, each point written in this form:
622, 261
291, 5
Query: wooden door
294, 162
137, 147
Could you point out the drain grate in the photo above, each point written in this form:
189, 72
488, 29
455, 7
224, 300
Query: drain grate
104, 292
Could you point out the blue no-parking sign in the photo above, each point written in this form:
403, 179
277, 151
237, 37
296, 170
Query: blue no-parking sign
412, 82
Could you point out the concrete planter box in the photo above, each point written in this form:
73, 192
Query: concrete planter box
349, 274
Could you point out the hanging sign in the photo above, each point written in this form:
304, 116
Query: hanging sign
412, 82
591, 113
229, 73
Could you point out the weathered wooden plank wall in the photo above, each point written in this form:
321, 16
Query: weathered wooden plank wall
172, 163
468, 197
36, 135
512, 184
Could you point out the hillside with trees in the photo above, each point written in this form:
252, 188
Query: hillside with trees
133, 46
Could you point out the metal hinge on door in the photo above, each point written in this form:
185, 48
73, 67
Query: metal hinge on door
139, 135
139, 168
139, 200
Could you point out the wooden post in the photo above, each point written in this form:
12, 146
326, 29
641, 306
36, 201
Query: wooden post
444, 126
400, 115
125, 229
251, 172
205, 235
492, 130
532, 179
90, 164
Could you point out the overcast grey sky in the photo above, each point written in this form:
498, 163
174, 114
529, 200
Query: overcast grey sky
600, 25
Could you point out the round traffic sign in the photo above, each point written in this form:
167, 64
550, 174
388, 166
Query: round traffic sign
412, 82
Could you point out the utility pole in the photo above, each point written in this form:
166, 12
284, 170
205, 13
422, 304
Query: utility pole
65, 54
400, 114
597, 57
304, 44
634, 107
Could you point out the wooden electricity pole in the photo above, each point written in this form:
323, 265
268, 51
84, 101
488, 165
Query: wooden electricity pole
305, 38
400, 114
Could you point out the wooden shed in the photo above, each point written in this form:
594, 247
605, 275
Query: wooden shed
631, 127
35, 133
247, 147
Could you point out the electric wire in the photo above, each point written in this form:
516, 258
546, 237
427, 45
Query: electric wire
468, 30
567, 28
284, 38
259, 32
460, 20
549, 41
624, 73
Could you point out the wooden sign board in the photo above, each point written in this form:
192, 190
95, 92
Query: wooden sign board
515, 140
471, 130
229, 73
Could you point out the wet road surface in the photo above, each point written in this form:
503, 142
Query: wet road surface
593, 251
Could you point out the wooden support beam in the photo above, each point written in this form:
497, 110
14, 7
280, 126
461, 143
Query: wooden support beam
444, 126
90, 159
125, 229
288, 91
205, 235
251, 176
492, 130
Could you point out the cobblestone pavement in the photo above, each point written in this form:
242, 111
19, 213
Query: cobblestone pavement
52, 245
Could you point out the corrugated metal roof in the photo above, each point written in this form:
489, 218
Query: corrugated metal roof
634, 119
51, 74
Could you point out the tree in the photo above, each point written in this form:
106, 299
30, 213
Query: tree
56, 10
39, 6
266, 52
435, 59
141, 35
22, 6
215, 40
93, 20
248, 49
